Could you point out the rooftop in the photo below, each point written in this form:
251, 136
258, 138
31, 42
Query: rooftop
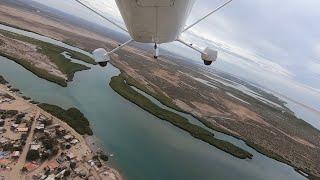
35, 147
25, 129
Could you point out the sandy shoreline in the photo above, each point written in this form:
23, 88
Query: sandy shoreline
82, 147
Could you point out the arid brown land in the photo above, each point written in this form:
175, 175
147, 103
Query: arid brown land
272, 130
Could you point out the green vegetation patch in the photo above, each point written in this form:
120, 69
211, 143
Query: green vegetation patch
64, 64
33, 155
82, 57
158, 95
118, 84
104, 157
2, 80
73, 117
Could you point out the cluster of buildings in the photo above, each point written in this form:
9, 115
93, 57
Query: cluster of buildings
22, 123
61, 156
14, 130
35, 140
49, 139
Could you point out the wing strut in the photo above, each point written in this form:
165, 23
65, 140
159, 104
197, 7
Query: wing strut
209, 14
121, 46
101, 15
190, 46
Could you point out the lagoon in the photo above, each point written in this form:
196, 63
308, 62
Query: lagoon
144, 146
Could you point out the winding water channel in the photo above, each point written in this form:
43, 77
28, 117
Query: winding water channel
144, 146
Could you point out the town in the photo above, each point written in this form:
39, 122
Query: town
36, 145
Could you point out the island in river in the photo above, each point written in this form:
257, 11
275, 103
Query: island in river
43, 59
220, 101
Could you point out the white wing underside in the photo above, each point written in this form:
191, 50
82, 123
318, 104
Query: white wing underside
155, 21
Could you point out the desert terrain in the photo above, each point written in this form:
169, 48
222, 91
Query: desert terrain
266, 125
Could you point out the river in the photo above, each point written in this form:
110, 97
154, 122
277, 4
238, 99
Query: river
144, 146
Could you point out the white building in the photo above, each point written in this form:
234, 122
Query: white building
35, 147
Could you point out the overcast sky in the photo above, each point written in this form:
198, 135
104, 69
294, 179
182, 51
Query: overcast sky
271, 42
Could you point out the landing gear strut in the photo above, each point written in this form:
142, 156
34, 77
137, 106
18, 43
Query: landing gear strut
156, 51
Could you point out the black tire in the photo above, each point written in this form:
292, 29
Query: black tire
207, 62
103, 64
